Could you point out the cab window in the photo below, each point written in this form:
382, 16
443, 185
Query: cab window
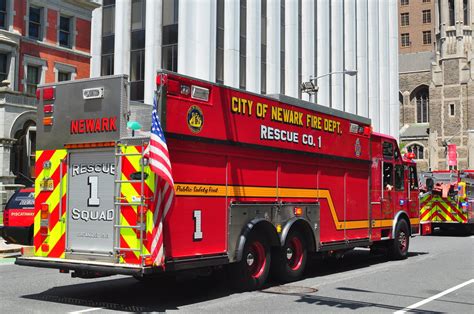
387, 150
399, 178
387, 175
413, 178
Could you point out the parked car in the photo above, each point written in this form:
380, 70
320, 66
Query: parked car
18, 217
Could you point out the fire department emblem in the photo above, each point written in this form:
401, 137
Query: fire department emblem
357, 148
195, 119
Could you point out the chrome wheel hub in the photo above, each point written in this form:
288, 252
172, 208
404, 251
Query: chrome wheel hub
250, 259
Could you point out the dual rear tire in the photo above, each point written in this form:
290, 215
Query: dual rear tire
252, 271
290, 260
287, 262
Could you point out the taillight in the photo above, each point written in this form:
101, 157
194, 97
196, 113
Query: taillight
48, 121
45, 247
6, 214
49, 93
49, 108
174, 87
367, 130
44, 211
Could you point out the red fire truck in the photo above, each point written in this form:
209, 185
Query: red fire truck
259, 181
447, 199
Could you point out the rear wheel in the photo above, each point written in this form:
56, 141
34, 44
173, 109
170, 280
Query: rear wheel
291, 259
252, 270
401, 241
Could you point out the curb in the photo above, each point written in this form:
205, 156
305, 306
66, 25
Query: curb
15, 250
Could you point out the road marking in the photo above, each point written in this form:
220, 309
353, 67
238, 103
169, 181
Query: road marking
437, 296
87, 310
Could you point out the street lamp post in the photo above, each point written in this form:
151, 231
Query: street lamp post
311, 88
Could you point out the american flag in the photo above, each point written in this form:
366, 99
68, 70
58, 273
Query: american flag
164, 193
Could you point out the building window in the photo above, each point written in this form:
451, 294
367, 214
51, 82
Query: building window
263, 51
451, 110
451, 12
426, 16
64, 76
422, 106
65, 31
3, 66
34, 25
64, 72
405, 40
426, 37
418, 150
405, 19
33, 76
465, 12
108, 37
404, 2
170, 35
243, 44
137, 51
282, 48
220, 43
426, 1
3, 13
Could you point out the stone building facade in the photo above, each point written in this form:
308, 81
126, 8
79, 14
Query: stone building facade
41, 41
436, 91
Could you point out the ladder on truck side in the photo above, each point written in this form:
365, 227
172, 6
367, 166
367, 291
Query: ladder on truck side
121, 201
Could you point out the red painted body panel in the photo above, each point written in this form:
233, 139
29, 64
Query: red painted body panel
227, 150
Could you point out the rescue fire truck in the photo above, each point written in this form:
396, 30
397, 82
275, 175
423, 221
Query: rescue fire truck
259, 181
447, 199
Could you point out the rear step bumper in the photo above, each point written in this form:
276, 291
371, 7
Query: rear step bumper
89, 266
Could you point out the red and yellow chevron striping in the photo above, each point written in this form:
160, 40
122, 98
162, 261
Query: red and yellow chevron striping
434, 208
130, 215
49, 230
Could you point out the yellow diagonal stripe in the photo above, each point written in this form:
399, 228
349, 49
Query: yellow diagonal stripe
210, 190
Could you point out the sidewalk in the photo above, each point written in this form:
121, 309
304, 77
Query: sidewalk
9, 248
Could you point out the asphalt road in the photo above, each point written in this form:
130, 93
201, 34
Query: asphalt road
359, 282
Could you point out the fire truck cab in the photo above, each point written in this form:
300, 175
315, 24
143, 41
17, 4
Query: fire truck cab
259, 180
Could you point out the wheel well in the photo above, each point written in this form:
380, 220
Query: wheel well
402, 216
261, 226
303, 227
266, 229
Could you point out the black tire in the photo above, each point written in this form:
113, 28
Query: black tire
290, 259
398, 248
251, 272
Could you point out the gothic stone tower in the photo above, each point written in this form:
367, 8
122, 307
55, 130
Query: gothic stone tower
451, 105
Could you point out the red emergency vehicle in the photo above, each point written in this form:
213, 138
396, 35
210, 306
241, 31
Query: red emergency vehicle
259, 180
447, 199
18, 217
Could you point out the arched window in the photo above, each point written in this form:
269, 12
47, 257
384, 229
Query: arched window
418, 150
422, 105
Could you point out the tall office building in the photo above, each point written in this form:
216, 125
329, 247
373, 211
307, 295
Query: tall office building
267, 46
